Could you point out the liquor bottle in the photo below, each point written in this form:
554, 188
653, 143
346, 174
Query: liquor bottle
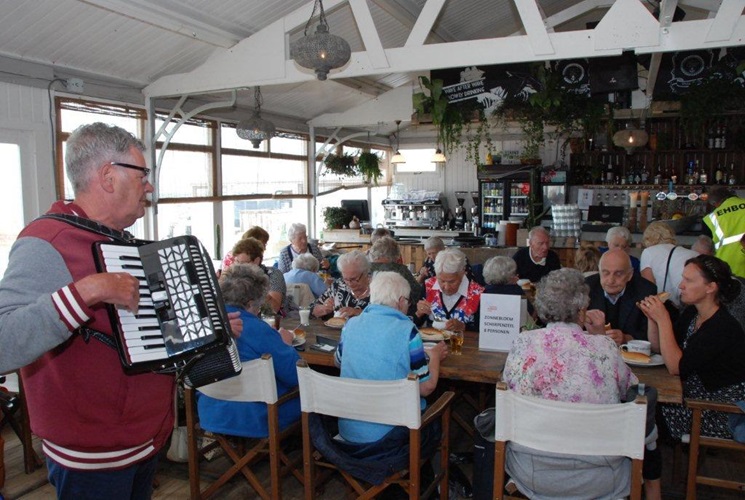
723, 138
703, 179
719, 175
710, 137
718, 138
731, 179
609, 174
645, 174
696, 173
658, 176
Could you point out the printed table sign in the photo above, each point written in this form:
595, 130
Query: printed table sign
502, 316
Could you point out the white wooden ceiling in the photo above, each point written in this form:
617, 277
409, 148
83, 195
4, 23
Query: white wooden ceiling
175, 47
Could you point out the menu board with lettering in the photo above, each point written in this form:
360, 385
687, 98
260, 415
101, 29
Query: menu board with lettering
502, 316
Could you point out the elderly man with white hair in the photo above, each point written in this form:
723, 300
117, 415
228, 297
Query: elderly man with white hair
537, 260
298, 236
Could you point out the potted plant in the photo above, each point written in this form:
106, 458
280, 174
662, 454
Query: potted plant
368, 165
342, 165
336, 217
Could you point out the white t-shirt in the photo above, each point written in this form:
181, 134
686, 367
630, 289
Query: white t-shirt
655, 257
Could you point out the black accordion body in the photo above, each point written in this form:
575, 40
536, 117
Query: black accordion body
181, 321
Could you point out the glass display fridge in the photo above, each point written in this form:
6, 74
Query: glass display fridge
504, 192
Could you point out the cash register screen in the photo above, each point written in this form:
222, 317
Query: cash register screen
359, 208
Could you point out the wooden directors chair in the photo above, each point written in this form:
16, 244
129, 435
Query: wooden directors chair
697, 441
569, 428
390, 402
256, 383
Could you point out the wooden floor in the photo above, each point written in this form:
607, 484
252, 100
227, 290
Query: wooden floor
174, 483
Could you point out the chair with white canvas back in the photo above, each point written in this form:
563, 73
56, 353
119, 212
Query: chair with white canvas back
568, 428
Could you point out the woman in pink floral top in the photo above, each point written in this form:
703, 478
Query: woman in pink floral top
450, 296
564, 363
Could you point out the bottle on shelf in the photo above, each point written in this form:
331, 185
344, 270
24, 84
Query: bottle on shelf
658, 176
644, 174
718, 138
703, 177
711, 136
719, 175
609, 174
731, 180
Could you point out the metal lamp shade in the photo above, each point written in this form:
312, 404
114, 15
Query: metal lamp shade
321, 51
255, 129
438, 157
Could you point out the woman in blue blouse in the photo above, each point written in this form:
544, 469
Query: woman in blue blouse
244, 288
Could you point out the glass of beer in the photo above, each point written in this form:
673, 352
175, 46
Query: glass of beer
456, 343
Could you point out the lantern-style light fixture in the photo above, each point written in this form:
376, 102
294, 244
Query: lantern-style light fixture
398, 158
256, 129
320, 51
438, 157
630, 138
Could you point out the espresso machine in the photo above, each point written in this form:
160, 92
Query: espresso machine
475, 213
460, 211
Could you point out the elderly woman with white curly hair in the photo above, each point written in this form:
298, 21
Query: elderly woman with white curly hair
298, 236
563, 362
349, 295
620, 237
450, 296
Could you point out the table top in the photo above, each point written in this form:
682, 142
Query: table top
479, 366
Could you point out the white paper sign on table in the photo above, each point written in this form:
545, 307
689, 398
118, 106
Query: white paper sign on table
500, 320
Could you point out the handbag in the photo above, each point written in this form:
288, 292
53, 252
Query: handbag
672, 309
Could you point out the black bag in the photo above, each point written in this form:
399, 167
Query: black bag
672, 309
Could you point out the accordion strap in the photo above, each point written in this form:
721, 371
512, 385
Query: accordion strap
93, 227
88, 333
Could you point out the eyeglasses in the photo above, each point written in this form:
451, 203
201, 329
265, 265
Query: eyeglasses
145, 170
350, 281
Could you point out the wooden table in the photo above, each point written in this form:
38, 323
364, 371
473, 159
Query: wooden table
483, 366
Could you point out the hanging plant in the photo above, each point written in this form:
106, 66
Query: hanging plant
447, 119
342, 165
475, 137
368, 165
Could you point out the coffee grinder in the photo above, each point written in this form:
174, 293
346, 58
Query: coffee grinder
475, 213
460, 212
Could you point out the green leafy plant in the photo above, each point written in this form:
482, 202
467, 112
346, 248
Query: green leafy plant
708, 99
336, 217
343, 165
447, 119
368, 165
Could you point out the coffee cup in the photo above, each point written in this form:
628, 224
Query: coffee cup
440, 325
641, 346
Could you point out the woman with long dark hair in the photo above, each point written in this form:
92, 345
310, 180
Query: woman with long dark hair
706, 346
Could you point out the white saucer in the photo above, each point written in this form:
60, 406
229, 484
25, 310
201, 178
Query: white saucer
298, 341
654, 360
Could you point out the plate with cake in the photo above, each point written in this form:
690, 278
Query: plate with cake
641, 359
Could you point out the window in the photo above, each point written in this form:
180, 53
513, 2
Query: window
417, 160
11, 194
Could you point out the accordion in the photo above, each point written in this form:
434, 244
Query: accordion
181, 321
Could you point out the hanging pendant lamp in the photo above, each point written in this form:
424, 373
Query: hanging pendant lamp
438, 157
320, 51
398, 158
630, 138
256, 129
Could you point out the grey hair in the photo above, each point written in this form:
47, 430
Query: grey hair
450, 260
618, 232
379, 232
703, 245
385, 249
243, 284
434, 243
499, 270
306, 261
355, 258
561, 295
656, 233
536, 230
295, 229
93, 145
387, 287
